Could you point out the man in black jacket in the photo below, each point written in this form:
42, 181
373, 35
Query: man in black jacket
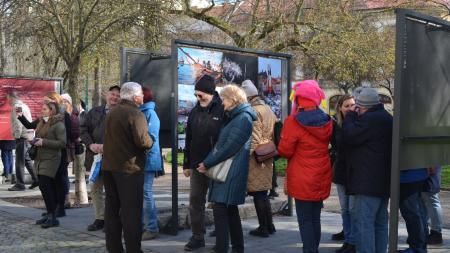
92, 129
203, 127
368, 137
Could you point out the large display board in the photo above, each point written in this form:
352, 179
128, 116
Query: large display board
421, 134
30, 90
151, 70
269, 72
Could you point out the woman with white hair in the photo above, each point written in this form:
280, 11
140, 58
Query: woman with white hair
233, 142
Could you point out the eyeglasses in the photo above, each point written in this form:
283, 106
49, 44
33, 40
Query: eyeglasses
199, 96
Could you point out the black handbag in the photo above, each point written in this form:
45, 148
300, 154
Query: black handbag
32, 152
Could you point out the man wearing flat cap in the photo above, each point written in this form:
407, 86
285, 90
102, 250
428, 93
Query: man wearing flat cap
368, 136
203, 127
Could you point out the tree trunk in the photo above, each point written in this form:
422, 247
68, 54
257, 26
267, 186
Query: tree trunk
80, 181
2, 48
96, 98
72, 80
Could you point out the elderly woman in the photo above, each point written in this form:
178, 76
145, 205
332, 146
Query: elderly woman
234, 141
260, 173
50, 140
304, 142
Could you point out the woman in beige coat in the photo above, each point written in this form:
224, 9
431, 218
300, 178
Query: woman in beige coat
260, 174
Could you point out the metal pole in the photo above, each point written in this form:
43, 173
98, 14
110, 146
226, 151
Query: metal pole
396, 145
86, 94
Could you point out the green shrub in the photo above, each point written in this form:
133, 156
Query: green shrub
446, 177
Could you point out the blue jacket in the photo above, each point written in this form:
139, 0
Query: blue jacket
368, 140
234, 139
153, 162
413, 176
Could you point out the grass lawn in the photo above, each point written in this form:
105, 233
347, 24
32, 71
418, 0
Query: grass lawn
446, 177
180, 159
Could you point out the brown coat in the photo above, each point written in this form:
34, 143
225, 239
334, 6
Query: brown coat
126, 139
260, 174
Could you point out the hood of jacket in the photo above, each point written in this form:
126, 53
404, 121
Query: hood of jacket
316, 122
147, 106
243, 108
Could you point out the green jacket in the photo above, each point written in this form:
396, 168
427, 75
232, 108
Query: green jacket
49, 154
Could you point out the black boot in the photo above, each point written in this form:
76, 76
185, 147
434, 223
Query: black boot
42, 220
434, 238
60, 212
51, 221
270, 227
261, 231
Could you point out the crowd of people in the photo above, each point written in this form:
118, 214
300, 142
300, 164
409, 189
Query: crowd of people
236, 130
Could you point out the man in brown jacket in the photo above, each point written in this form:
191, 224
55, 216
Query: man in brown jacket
125, 143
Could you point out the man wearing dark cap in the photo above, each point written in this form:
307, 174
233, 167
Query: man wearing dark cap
368, 138
203, 127
92, 129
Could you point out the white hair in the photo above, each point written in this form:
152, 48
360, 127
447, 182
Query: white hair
129, 90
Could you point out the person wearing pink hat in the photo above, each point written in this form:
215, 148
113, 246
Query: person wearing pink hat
304, 142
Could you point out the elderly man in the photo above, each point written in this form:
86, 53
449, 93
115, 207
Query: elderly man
21, 135
92, 129
203, 127
125, 144
368, 135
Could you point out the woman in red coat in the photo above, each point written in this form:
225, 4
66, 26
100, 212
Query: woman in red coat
304, 142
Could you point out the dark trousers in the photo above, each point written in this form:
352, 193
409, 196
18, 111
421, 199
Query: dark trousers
308, 216
123, 211
197, 199
62, 180
7, 160
274, 177
23, 160
48, 190
228, 224
412, 209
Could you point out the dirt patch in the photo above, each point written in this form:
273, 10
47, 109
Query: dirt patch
38, 202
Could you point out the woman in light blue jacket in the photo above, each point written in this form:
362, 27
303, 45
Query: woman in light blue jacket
153, 166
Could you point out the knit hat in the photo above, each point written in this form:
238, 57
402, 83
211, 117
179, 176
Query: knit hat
367, 97
249, 88
308, 89
67, 97
206, 84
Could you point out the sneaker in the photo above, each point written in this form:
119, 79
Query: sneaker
50, 222
97, 225
194, 244
338, 237
33, 185
434, 238
346, 248
148, 235
17, 187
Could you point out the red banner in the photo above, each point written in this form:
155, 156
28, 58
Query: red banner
30, 91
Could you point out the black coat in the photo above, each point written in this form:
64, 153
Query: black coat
92, 128
368, 140
7, 144
337, 153
202, 132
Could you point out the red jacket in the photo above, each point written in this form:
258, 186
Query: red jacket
304, 142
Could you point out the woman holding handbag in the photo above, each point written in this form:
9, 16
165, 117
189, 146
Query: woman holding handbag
233, 148
260, 172
50, 140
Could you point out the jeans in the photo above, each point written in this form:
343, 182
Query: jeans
7, 160
23, 160
123, 211
150, 203
228, 225
370, 223
433, 210
308, 216
346, 201
412, 211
